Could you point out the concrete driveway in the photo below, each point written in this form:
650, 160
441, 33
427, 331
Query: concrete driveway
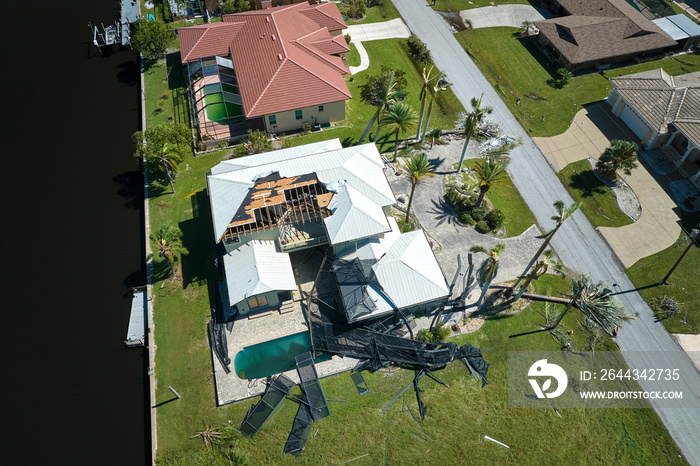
588, 136
503, 15
393, 29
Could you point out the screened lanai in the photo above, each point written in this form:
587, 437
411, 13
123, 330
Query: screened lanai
216, 99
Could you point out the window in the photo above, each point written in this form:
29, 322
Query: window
298, 115
260, 301
320, 108
272, 119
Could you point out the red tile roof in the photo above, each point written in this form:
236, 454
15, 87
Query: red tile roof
282, 56
206, 40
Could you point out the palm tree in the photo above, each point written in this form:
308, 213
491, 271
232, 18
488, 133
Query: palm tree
620, 155
526, 25
399, 119
563, 213
471, 123
598, 303
490, 171
167, 159
432, 90
490, 269
541, 267
424, 91
169, 243
417, 168
388, 95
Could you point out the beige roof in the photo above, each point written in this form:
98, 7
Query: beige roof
602, 29
661, 99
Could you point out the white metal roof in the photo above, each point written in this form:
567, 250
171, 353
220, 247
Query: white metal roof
255, 268
354, 217
359, 166
407, 270
678, 26
277, 155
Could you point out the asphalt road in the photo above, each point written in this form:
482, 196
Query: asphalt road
577, 243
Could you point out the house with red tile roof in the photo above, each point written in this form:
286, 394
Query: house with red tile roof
273, 69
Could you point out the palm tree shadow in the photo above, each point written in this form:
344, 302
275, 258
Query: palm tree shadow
442, 211
587, 183
438, 162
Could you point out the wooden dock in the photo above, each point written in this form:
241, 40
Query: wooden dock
136, 334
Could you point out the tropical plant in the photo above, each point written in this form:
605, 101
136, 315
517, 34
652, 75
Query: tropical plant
165, 146
382, 92
169, 241
542, 266
619, 156
563, 213
598, 303
151, 38
564, 77
526, 25
490, 172
471, 123
417, 168
399, 119
424, 91
433, 91
208, 434
490, 268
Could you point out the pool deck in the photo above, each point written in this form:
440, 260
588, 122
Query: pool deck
248, 331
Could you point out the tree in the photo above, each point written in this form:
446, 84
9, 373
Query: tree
471, 123
598, 303
418, 50
490, 268
564, 77
490, 171
424, 91
433, 91
541, 267
417, 168
165, 146
526, 25
563, 213
619, 156
233, 6
399, 119
168, 239
151, 38
382, 91
355, 9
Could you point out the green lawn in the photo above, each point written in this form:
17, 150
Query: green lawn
598, 201
457, 5
385, 11
353, 56
456, 416
517, 68
683, 283
391, 53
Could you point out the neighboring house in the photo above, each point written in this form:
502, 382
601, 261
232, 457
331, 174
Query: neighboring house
663, 111
273, 69
681, 29
597, 32
266, 206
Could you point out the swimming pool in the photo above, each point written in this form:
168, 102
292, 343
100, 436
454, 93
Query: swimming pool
274, 356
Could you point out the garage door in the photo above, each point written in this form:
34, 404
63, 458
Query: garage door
635, 123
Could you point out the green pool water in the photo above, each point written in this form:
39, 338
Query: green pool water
274, 356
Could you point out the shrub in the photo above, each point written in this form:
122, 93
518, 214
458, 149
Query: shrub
347, 38
482, 227
479, 213
306, 127
665, 307
425, 335
442, 332
495, 218
466, 218
452, 196
465, 204
418, 50
355, 9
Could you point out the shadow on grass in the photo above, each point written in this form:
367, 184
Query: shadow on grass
178, 88
537, 54
587, 183
197, 235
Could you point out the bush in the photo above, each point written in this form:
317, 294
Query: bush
466, 218
495, 218
452, 197
425, 335
355, 9
442, 332
665, 307
347, 38
479, 213
465, 204
482, 227
418, 50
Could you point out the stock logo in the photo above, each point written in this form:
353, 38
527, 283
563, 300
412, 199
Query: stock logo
543, 369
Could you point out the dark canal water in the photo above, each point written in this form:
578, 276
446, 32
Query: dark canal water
72, 243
